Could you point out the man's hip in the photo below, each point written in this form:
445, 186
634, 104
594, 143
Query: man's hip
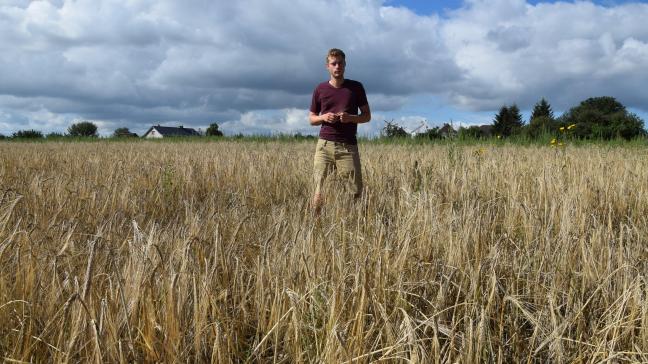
341, 158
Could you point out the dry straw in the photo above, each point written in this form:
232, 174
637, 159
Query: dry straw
186, 252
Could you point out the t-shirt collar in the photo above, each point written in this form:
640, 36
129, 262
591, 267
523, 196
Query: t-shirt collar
343, 82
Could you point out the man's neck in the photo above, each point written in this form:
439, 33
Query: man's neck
336, 82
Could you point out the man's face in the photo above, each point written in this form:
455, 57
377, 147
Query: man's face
335, 66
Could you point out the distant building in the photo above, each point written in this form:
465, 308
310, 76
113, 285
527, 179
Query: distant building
158, 131
447, 131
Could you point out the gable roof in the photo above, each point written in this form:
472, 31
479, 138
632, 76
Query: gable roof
173, 131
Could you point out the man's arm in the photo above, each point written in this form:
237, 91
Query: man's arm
364, 117
320, 119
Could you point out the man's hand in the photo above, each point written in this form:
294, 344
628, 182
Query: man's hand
346, 118
365, 116
330, 118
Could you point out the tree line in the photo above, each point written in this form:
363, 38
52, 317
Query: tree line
595, 118
89, 129
80, 129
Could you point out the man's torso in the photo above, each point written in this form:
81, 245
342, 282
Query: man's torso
347, 98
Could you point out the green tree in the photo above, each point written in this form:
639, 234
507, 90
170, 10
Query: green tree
626, 125
123, 132
213, 130
83, 128
605, 104
516, 118
542, 108
27, 134
2, 136
604, 118
393, 130
508, 121
542, 120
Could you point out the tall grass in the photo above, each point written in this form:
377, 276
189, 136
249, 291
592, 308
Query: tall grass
122, 252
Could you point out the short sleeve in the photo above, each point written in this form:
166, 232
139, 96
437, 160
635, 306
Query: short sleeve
362, 96
315, 106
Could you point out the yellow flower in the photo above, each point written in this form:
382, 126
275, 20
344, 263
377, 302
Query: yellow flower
479, 152
562, 128
499, 137
553, 141
572, 126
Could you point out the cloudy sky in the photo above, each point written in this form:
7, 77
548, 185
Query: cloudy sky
251, 65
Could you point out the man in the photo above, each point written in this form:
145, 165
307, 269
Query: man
335, 107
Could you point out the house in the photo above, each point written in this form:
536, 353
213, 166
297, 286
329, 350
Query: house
447, 131
158, 131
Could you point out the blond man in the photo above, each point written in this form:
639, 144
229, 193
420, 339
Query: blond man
338, 106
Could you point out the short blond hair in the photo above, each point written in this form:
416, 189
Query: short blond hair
335, 53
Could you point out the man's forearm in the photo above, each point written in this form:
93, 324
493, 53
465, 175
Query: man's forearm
341, 117
355, 119
315, 119
360, 119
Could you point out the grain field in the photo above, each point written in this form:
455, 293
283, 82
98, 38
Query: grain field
208, 252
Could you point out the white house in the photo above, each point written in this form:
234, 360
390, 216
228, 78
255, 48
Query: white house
158, 131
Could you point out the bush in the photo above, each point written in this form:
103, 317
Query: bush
602, 118
212, 130
627, 126
300, 136
123, 133
472, 132
83, 129
27, 134
541, 125
393, 130
54, 135
430, 134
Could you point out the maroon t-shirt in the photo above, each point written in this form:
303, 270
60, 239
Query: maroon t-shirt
348, 97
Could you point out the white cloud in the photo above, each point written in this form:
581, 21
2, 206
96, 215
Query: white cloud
131, 63
296, 118
510, 51
284, 121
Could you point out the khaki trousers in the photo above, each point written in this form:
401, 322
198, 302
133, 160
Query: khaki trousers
340, 158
